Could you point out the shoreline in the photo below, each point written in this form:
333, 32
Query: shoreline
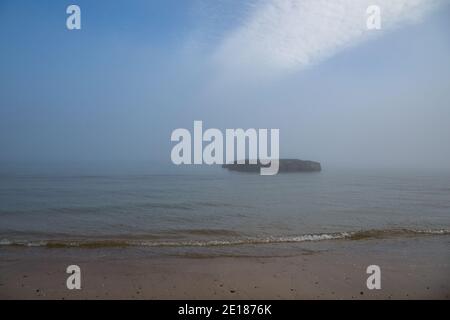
412, 268
227, 238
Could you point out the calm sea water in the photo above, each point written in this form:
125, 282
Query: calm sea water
220, 209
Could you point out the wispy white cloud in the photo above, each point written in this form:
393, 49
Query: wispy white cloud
288, 35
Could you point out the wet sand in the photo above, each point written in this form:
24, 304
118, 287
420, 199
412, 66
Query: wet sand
411, 268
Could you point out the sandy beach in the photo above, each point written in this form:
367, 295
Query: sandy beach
412, 268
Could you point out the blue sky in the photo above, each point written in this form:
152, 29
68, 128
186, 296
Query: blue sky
112, 92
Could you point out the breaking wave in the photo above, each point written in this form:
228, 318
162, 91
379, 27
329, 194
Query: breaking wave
151, 242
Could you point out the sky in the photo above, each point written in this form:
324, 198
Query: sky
110, 94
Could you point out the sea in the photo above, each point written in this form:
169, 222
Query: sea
220, 211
